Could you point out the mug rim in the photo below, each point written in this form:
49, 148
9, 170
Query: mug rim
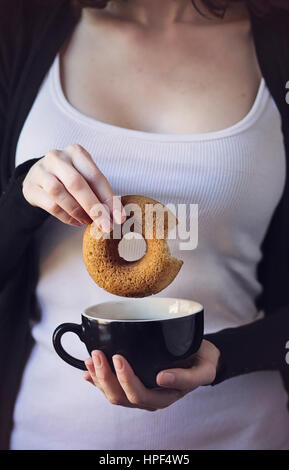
198, 307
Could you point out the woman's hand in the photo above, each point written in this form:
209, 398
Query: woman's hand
68, 184
126, 389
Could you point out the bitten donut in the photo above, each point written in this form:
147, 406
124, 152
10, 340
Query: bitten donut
146, 276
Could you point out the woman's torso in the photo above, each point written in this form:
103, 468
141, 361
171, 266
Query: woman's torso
236, 176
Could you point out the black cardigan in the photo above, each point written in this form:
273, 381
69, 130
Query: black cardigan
31, 33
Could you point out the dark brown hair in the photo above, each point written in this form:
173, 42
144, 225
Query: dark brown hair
217, 7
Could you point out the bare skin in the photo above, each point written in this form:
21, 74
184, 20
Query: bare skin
188, 74
155, 66
125, 389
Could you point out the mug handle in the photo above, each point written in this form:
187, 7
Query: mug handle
57, 335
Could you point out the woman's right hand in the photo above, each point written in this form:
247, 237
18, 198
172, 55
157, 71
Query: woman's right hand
68, 184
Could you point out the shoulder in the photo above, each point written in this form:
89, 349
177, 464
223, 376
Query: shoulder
15, 12
30, 33
20, 20
271, 34
23, 24
27, 15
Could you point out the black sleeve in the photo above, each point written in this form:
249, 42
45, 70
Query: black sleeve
19, 220
24, 27
261, 345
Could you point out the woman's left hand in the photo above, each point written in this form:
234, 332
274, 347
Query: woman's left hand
126, 389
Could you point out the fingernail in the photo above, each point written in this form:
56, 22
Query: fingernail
167, 378
97, 211
97, 359
117, 362
88, 362
123, 214
77, 224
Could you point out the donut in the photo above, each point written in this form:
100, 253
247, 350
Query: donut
146, 276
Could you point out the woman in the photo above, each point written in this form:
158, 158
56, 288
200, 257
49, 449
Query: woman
165, 99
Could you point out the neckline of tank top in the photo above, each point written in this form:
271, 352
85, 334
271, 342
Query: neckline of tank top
246, 122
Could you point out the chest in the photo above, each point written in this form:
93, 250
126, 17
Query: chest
188, 80
236, 176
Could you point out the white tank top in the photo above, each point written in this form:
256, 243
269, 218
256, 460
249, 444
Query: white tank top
236, 176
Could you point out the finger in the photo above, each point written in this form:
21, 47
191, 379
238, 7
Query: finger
45, 202
86, 375
78, 187
136, 392
91, 371
84, 163
185, 379
90, 368
107, 380
63, 199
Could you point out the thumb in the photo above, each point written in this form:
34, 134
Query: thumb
187, 379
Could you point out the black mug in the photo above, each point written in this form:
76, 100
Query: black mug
151, 333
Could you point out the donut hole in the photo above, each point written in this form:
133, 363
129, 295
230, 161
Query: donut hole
132, 246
